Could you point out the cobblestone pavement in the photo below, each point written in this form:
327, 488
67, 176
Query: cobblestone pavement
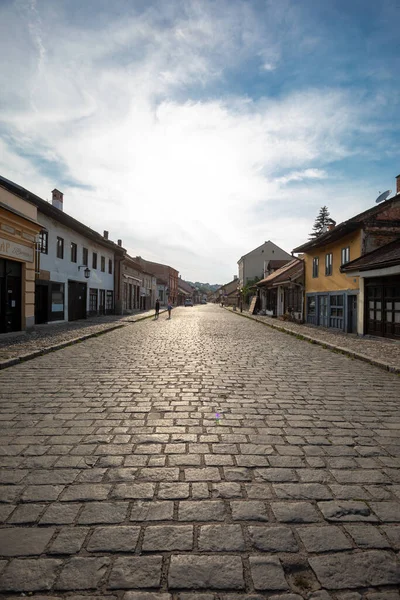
118, 480
45, 336
380, 349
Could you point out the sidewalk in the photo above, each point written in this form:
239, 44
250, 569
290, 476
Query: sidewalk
384, 353
20, 346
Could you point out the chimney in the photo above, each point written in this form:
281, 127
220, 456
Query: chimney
119, 242
398, 184
235, 277
331, 225
105, 235
57, 199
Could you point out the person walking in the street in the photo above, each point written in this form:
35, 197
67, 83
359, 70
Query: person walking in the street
157, 309
169, 306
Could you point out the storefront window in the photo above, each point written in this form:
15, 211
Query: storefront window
44, 242
57, 301
311, 306
93, 300
109, 301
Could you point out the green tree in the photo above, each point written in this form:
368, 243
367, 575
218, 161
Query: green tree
321, 223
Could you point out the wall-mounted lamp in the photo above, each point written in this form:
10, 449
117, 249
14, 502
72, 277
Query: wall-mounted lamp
86, 271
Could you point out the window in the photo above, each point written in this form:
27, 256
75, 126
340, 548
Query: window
109, 301
345, 255
57, 301
60, 247
110, 266
103, 264
311, 306
94, 260
74, 252
315, 264
336, 306
93, 300
85, 257
328, 263
44, 242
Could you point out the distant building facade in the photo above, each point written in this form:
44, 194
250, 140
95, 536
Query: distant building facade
252, 264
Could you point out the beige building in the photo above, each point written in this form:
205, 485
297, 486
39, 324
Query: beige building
19, 229
253, 264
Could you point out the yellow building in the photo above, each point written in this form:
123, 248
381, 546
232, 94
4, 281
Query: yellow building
18, 233
331, 297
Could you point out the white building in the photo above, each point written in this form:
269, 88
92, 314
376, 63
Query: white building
251, 265
76, 266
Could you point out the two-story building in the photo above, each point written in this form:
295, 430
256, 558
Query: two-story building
331, 297
253, 264
76, 266
164, 273
19, 229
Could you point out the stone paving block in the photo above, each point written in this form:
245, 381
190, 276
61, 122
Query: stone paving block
346, 511
127, 491
302, 491
275, 475
146, 596
295, 512
162, 510
173, 491
272, 539
136, 572
12, 475
249, 510
10, 493
82, 573
198, 510
60, 514
367, 536
114, 539
388, 512
206, 572
360, 476
267, 573
5, 511
26, 514
155, 474
226, 490
349, 492
352, 570
206, 474
159, 538
259, 491
103, 512
24, 541
85, 492
220, 538
200, 491
324, 538
121, 474
69, 540
51, 476
29, 575
393, 533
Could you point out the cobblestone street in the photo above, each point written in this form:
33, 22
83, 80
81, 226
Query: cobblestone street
203, 457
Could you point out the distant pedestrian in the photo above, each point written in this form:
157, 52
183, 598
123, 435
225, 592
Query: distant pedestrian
169, 307
157, 309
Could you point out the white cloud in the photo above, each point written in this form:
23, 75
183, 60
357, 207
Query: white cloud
192, 182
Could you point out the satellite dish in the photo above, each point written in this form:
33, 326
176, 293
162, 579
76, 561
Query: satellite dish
383, 196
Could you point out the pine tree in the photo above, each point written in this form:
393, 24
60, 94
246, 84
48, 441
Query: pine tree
321, 223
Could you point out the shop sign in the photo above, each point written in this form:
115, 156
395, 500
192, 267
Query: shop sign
16, 251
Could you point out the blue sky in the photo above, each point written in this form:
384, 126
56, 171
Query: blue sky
196, 130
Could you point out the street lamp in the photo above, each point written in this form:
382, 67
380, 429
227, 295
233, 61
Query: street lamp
86, 271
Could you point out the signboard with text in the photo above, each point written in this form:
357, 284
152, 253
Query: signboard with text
15, 251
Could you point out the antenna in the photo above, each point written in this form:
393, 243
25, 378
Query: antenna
383, 196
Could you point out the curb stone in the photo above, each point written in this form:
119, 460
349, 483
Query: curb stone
327, 345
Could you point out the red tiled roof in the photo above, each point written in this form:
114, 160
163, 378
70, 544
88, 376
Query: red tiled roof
291, 270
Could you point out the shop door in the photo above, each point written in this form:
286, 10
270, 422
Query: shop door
76, 300
41, 303
352, 313
10, 296
323, 311
373, 308
391, 303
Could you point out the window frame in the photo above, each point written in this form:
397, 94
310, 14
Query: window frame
315, 267
94, 260
74, 252
345, 255
44, 242
110, 266
103, 264
85, 257
328, 264
60, 248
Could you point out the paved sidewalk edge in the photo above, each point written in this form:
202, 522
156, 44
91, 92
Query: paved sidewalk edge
332, 347
34, 354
